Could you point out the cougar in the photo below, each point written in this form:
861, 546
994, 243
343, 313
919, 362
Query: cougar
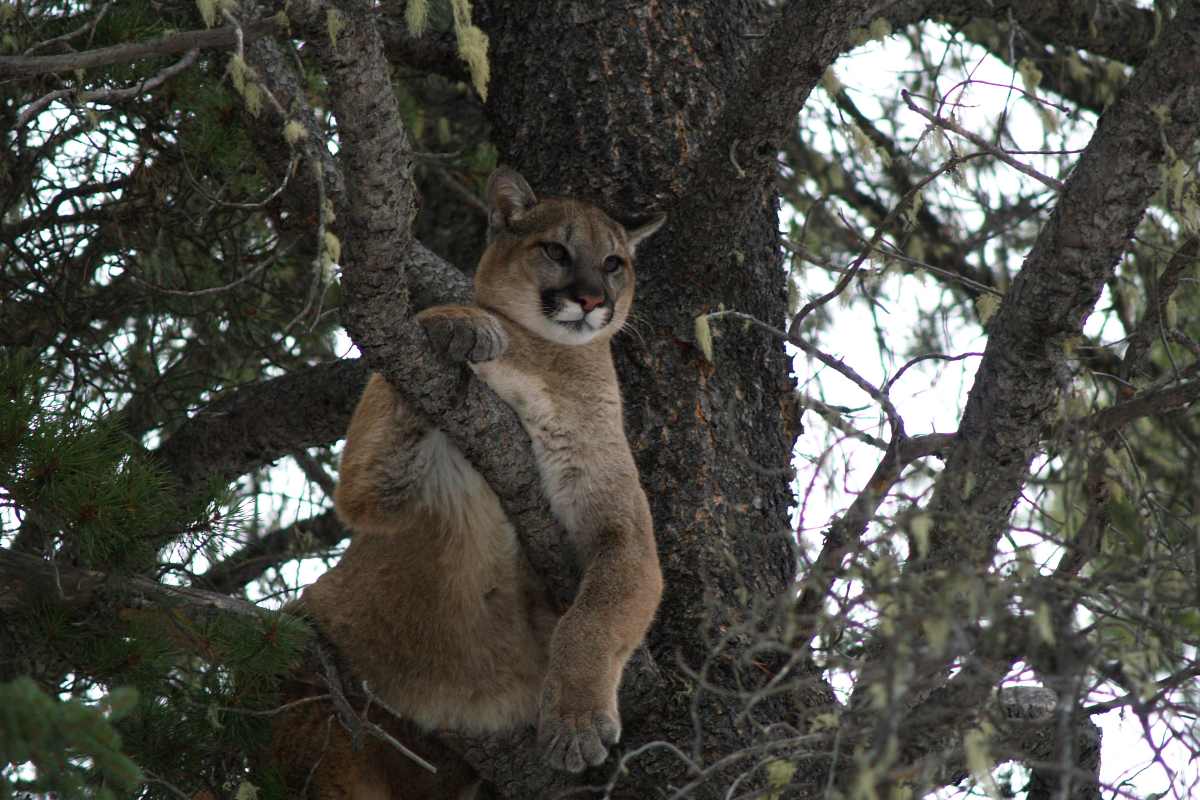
434, 605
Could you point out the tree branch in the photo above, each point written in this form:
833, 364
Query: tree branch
237, 570
738, 159
1016, 387
254, 425
1151, 403
258, 424
107, 95
430, 52
27, 579
377, 253
25, 66
1027, 722
979, 141
1118, 30
377, 170
1151, 325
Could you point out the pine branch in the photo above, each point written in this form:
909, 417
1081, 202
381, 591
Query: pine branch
107, 95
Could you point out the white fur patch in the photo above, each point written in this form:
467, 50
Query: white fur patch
570, 312
454, 488
599, 317
594, 322
529, 397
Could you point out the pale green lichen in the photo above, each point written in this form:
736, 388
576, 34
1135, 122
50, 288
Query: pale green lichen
472, 46
416, 16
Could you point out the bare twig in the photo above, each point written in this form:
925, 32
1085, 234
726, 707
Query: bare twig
833, 363
872, 244
107, 95
835, 417
887, 387
1151, 325
86, 27
351, 720
254, 273
979, 141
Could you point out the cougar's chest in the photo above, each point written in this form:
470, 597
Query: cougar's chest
572, 431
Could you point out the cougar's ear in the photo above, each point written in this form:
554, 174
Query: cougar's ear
642, 228
508, 197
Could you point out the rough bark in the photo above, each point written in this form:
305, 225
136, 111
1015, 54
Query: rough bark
258, 424
647, 91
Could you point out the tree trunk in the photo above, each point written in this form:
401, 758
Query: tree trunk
611, 105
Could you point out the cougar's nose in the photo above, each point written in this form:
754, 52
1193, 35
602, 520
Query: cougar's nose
589, 301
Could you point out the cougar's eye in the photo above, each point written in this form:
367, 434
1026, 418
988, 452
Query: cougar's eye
612, 264
555, 252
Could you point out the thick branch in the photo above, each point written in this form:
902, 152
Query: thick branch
24, 66
376, 232
375, 154
26, 579
377, 170
257, 424
1118, 30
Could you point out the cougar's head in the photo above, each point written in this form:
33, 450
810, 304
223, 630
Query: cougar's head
561, 268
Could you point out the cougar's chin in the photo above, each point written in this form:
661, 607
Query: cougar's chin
569, 324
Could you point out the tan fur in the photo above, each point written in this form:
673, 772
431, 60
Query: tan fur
434, 604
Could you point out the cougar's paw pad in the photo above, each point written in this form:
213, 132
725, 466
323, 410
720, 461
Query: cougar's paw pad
576, 741
464, 338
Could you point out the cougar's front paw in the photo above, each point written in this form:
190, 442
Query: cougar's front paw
573, 738
464, 334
